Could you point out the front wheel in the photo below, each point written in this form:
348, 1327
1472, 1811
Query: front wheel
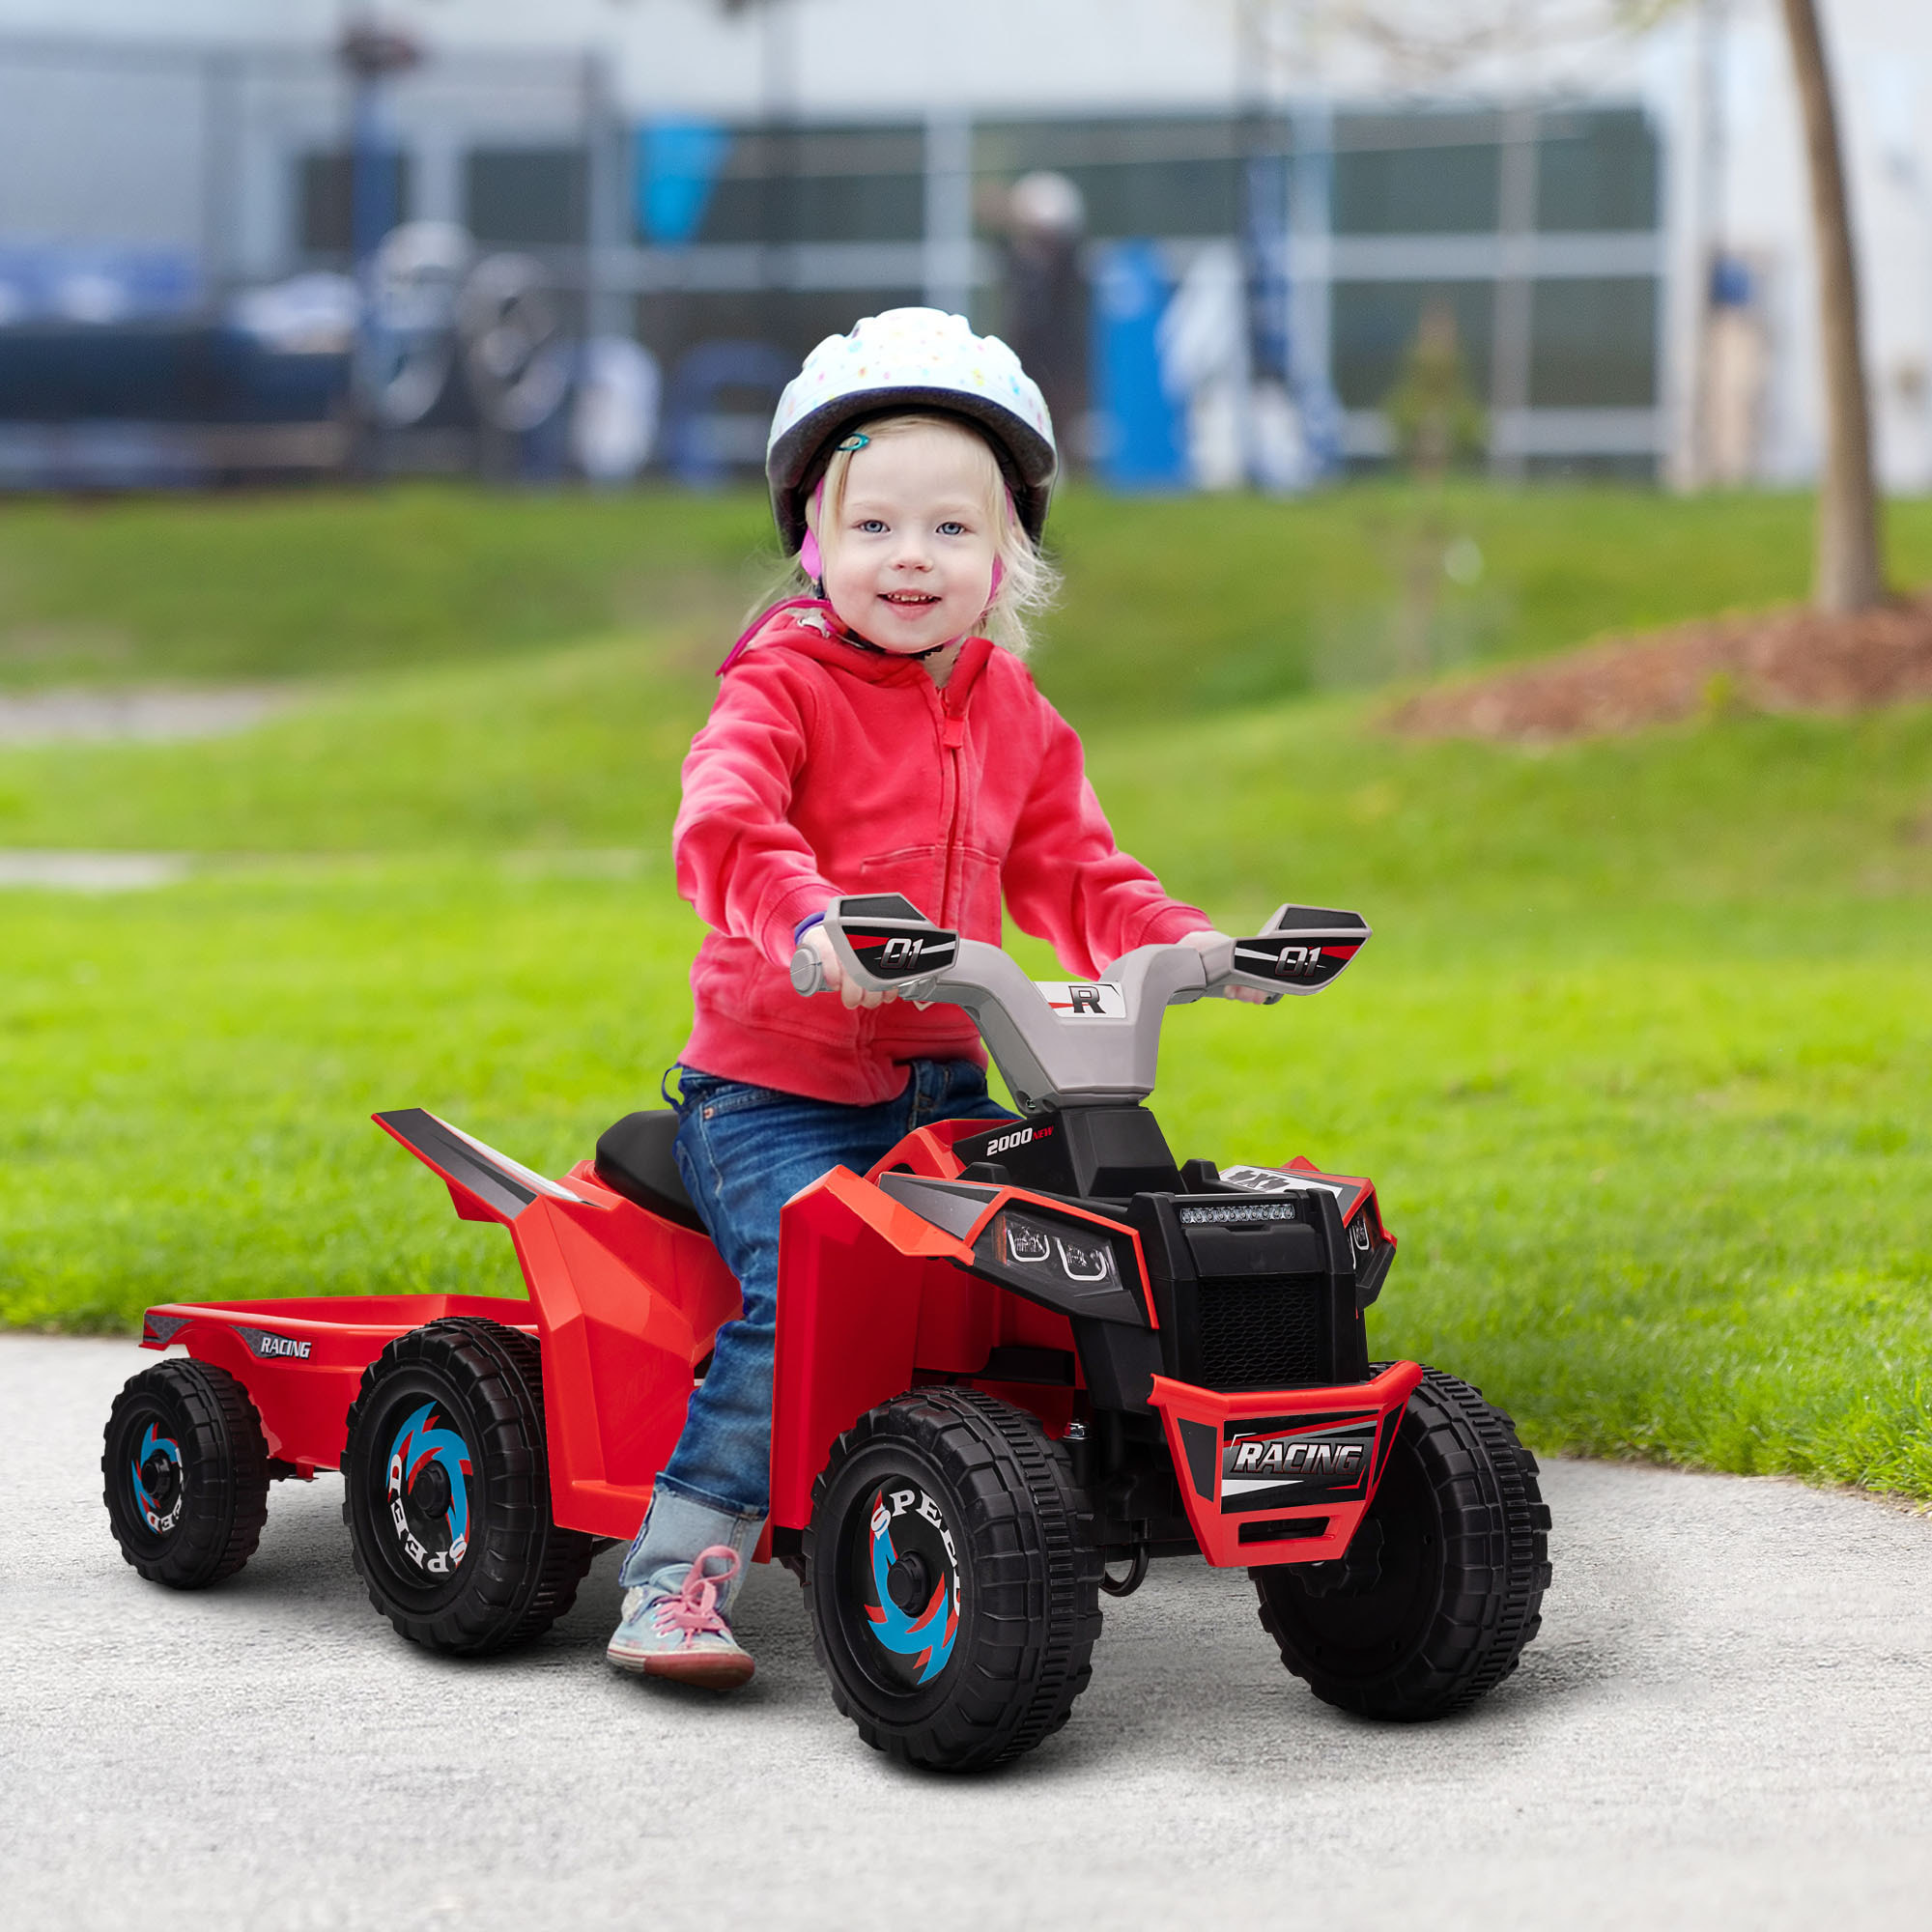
446, 1490
1441, 1587
186, 1472
952, 1578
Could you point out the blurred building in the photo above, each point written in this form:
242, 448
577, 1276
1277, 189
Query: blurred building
1617, 226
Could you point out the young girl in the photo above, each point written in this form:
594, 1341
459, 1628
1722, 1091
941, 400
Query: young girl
872, 737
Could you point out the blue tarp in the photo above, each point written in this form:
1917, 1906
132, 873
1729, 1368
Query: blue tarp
675, 165
1141, 434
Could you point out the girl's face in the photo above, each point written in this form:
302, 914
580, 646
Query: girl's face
910, 565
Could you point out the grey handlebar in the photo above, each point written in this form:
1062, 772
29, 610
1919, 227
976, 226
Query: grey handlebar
1063, 1042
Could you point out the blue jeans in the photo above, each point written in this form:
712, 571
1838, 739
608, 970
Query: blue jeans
743, 1152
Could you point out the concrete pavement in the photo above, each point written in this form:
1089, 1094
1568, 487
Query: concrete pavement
1727, 1721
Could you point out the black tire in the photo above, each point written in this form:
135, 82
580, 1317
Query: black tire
460, 1551
1442, 1587
991, 1555
185, 1470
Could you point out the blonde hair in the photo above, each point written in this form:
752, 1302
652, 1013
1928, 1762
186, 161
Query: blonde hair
1027, 582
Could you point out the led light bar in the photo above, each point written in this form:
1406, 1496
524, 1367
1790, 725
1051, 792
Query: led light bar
1240, 1211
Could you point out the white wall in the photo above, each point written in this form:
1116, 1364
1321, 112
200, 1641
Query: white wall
121, 183
885, 58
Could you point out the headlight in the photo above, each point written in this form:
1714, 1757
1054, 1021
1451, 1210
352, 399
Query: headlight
1035, 1247
1082, 1261
1030, 1246
1081, 1267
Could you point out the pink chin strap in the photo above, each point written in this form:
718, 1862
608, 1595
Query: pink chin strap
810, 558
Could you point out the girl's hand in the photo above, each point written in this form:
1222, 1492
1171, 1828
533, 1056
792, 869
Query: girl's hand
836, 978
1217, 952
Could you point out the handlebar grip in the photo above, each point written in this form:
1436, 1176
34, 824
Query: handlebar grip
807, 972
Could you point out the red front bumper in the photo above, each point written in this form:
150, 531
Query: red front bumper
1282, 1476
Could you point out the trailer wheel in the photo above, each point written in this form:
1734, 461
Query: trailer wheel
1442, 1585
954, 1579
187, 1474
446, 1490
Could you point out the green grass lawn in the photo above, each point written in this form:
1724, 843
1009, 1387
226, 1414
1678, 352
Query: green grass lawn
1638, 1055
1181, 604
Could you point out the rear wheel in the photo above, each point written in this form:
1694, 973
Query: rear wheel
186, 1472
952, 1578
1442, 1584
446, 1490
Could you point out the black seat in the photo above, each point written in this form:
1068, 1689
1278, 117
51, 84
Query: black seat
634, 1159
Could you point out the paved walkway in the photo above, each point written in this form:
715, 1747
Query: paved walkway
1727, 1723
144, 716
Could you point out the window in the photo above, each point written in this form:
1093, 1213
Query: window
1594, 344
325, 218
1417, 173
525, 198
1596, 172
820, 185
1177, 175
1373, 323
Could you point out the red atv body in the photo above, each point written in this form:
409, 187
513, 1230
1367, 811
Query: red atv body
1013, 1364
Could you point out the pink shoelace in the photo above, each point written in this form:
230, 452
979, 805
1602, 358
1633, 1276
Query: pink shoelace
693, 1608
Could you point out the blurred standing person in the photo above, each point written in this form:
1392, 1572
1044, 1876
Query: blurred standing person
1046, 298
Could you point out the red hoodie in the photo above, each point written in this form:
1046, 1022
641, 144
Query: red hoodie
825, 769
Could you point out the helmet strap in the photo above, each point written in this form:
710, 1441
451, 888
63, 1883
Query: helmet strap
847, 635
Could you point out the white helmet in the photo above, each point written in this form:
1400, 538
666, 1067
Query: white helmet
915, 358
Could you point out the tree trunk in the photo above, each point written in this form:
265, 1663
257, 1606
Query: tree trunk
1848, 574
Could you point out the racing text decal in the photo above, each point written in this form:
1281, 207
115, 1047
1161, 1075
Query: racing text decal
268, 1347
1271, 1463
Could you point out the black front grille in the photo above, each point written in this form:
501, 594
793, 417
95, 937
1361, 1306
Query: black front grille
1260, 1334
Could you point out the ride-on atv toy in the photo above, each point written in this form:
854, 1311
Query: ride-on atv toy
1014, 1363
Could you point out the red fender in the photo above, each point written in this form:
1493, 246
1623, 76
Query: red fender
856, 1269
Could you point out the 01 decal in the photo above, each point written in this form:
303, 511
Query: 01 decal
912, 1566
897, 954
1277, 1462
428, 1490
1301, 963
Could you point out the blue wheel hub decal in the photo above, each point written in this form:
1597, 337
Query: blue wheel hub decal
158, 1461
421, 1446
924, 1635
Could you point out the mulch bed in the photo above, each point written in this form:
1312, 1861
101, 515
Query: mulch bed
1790, 659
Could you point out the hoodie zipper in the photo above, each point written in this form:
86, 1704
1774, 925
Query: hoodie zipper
951, 741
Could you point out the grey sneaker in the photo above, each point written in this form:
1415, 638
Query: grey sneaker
681, 1634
